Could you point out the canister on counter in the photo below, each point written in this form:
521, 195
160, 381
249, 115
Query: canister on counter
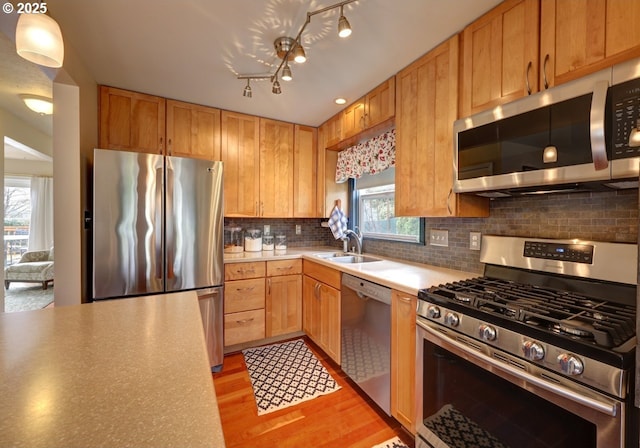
267, 243
253, 240
281, 242
233, 239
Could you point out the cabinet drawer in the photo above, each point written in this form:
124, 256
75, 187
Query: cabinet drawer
243, 295
284, 267
244, 326
239, 271
326, 275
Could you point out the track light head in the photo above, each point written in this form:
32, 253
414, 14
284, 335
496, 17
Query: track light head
247, 90
344, 29
298, 54
286, 72
276, 88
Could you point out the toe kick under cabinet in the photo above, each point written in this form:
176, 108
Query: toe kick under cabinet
262, 300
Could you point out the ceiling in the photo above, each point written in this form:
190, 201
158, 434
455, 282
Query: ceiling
193, 50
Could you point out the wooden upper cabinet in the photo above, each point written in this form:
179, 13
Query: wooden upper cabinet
380, 103
374, 108
131, 121
241, 157
193, 131
500, 56
276, 169
426, 107
353, 119
578, 37
305, 172
332, 129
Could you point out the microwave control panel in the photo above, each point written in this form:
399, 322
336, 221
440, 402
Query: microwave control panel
625, 101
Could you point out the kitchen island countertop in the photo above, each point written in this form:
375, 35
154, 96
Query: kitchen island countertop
131, 372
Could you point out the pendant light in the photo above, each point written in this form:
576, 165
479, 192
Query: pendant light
286, 72
39, 40
344, 28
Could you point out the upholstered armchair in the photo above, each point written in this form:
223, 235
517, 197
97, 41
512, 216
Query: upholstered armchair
34, 266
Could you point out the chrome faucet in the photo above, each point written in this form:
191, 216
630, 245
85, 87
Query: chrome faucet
357, 237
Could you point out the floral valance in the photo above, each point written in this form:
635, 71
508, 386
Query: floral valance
369, 157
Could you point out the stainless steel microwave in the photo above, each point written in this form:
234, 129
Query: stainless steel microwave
584, 134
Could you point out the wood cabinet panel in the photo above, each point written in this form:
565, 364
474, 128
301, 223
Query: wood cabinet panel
321, 315
283, 305
333, 130
284, 267
193, 131
331, 277
426, 106
500, 56
241, 157
244, 326
380, 103
353, 119
578, 37
244, 295
239, 271
131, 121
403, 358
276, 169
305, 172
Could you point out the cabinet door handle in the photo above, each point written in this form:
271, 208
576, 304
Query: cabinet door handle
544, 71
288, 268
269, 286
244, 321
246, 271
161, 143
406, 299
169, 146
245, 289
449, 201
526, 77
317, 290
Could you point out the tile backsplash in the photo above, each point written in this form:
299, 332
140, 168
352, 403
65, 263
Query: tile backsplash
601, 216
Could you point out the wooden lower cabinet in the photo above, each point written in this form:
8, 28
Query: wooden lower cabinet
403, 358
244, 302
321, 307
284, 297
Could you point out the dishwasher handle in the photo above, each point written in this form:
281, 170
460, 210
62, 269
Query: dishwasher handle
366, 289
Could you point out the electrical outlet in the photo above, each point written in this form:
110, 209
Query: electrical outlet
475, 238
298, 229
439, 238
267, 229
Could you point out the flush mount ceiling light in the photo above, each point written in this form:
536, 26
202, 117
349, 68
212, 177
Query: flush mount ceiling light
39, 40
39, 104
288, 48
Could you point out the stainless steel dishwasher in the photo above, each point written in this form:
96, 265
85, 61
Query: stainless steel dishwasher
366, 337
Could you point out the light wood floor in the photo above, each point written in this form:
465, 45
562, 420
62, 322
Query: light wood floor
342, 419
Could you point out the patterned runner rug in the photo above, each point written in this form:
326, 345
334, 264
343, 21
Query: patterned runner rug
286, 374
392, 443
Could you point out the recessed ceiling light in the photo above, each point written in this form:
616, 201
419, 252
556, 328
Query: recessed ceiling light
340, 101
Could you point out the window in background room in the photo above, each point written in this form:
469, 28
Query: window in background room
17, 217
375, 210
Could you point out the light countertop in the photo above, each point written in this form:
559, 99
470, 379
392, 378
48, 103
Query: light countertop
401, 275
121, 373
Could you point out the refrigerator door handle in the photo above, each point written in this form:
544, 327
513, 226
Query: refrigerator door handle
170, 243
158, 223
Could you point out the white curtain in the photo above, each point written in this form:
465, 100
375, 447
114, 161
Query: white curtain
41, 226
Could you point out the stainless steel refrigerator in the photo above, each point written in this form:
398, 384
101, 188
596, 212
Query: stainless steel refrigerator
157, 228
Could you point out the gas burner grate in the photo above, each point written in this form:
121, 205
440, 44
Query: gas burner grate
588, 319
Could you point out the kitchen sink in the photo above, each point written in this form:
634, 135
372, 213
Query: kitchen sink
341, 257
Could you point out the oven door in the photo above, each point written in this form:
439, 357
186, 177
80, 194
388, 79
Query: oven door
472, 399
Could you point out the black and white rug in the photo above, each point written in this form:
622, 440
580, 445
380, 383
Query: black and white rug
392, 443
286, 374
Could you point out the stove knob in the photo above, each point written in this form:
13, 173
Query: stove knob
451, 319
487, 332
433, 312
532, 351
570, 364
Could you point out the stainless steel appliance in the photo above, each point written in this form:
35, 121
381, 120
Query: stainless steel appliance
157, 227
366, 337
560, 139
537, 352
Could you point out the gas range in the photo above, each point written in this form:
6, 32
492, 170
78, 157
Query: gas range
564, 309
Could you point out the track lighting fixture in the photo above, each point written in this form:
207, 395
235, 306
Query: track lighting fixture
276, 88
247, 90
344, 29
286, 72
288, 48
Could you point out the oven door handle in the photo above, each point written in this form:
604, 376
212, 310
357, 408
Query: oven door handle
609, 408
